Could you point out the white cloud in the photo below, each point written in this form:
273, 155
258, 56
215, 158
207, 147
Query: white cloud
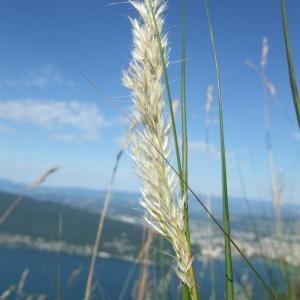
42, 77
296, 135
56, 115
201, 147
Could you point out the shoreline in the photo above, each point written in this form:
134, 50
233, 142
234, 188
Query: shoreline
18, 241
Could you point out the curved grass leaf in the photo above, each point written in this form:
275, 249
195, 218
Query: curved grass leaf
226, 216
184, 135
288, 51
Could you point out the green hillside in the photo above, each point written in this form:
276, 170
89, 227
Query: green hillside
39, 219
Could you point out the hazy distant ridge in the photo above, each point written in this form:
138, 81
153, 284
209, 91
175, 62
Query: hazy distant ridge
127, 202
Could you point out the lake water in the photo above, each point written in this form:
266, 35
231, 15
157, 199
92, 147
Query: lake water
110, 275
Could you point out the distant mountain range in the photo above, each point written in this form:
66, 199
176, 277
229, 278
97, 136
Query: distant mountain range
126, 203
122, 203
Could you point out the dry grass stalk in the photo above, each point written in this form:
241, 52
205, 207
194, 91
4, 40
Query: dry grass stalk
88, 290
269, 87
143, 277
139, 259
21, 284
32, 186
74, 276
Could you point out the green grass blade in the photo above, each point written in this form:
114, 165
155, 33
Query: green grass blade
183, 98
185, 291
166, 77
226, 218
288, 51
182, 177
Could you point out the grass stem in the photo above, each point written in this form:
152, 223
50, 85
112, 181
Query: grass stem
288, 50
226, 216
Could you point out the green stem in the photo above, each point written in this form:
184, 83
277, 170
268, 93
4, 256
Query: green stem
163, 61
186, 291
183, 101
182, 176
226, 217
288, 50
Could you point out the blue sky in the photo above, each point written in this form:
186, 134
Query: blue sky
50, 115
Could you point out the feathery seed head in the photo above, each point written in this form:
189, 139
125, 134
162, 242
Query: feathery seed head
209, 98
264, 54
151, 147
271, 88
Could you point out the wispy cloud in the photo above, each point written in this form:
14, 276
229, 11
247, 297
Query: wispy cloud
5, 129
56, 115
65, 137
296, 135
42, 77
201, 146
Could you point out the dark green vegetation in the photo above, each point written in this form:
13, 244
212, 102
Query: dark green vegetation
39, 219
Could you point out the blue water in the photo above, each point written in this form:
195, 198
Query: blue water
110, 275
